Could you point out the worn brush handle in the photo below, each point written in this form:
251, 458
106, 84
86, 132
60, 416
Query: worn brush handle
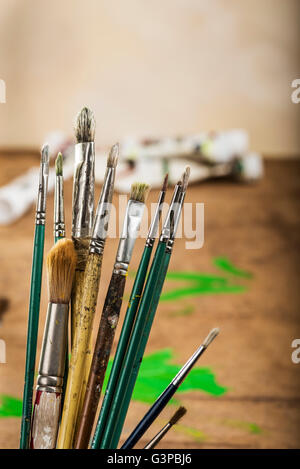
105, 337
32, 332
130, 316
45, 420
78, 354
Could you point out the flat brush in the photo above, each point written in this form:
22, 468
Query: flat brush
168, 393
173, 421
132, 308
111, 311
142, 327
90, 288
61, 262
35, 296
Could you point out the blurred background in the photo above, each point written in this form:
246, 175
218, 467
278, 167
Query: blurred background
157, 70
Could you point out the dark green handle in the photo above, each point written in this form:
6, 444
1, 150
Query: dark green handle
32, 332
123, 341
125, 375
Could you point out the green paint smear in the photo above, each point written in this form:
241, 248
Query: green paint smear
247, 426
194, 433
155, 375
224, 264
10, 406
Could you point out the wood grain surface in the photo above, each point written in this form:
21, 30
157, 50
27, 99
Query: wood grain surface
257, 229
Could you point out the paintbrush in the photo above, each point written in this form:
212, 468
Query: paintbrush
132, 307
35, 296
90, 288
61, 262
111, 312
168, 393
59, 211
142, 327
159, 436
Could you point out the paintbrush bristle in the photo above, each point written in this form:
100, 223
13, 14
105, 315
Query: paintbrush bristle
85, 126
61, 262
113, 156
59, 165
139, 192
165, 183
178, 415
211, 336
45, 153
185, 178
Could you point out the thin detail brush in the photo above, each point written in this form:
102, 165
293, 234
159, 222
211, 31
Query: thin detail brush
35, 296
111, 312
173, 421
61, 262
132, 308
168, 393
59, 211
90, 288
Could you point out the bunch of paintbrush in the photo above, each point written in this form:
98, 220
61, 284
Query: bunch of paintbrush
111, 420
111, 312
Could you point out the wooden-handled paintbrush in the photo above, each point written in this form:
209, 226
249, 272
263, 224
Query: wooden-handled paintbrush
168, 393
90, 288
61, 262
173, 421
132, 308
111, 312
35, 296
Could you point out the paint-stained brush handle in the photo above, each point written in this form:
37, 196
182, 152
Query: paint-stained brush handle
45, 420
105, 337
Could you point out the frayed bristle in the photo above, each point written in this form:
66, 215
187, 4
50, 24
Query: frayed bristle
85, 126
113, 156
139, 192
61, 262
59, 165
165, 183
45, 153
185, 178
211, 336
178, 415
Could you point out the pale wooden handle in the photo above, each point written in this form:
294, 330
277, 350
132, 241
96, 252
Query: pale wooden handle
78, 353
45, 420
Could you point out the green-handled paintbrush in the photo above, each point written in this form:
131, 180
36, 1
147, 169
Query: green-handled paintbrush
131, 311
35, 296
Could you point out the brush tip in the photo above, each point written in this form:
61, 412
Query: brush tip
113, 156
59, 165
61, 263
85, 126
211, 336
185, 178
45, 153
178, 415
165, 183
139, 192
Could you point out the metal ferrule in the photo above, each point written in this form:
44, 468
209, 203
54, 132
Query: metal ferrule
155, 220
40, 216
177, 214
53, 354
188, 366
158, 437
168, 227
83, 190
100, 228
59, 213
131, 226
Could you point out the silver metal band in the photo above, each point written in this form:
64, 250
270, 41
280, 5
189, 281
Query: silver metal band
83, 190
131, 226
188, 366
42, 194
